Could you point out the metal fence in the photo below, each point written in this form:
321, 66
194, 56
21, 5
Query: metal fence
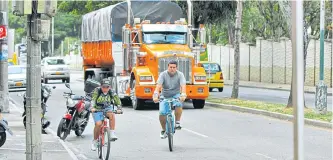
271, 62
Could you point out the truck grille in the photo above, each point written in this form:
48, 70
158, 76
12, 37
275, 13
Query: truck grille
184, 66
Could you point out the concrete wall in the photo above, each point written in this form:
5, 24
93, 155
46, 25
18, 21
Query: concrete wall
271, 62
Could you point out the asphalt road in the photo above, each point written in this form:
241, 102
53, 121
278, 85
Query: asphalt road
209, 133
267, 95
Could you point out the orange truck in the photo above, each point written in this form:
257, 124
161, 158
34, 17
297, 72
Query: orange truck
131, 47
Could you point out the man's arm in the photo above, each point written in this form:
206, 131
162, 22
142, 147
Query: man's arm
159, 84
183, 84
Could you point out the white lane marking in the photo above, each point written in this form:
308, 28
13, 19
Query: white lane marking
70, 152
196, 133
185, 129
259, 154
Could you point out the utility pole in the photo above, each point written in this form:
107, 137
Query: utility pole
52, 52
37, 30
33, 131
321, 88
298, 77
4, 102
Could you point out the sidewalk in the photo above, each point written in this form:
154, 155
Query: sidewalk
14, 147
284, 87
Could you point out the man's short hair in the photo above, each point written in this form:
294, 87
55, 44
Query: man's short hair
173, 62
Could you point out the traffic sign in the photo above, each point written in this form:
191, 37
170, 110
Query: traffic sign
3, 32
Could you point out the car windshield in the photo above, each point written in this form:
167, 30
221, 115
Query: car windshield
16, 70
55, 61
211, 67
164, 38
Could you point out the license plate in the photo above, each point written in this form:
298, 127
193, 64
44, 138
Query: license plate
18, 84
58, 73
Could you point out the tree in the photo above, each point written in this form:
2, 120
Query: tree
238, 26
210, 12
311, 14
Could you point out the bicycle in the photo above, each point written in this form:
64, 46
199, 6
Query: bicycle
170, 120
105, 131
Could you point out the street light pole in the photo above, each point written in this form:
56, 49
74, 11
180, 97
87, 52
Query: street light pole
52, 37
4, 101
321, 88
298, 78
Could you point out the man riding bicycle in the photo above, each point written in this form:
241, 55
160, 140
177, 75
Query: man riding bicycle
173, 84
104, 95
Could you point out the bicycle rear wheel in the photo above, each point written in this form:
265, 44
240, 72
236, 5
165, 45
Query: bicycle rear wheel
106, 145
170, 135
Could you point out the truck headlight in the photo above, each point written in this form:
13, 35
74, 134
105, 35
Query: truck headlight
200, 78
146, 78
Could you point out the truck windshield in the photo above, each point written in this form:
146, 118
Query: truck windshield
164, 38
211, 67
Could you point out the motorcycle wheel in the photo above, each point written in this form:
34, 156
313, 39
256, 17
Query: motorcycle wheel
2, 138
83, 127
63, 123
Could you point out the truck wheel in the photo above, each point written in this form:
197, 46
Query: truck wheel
137, 103
220, 89
210, 89
198, 103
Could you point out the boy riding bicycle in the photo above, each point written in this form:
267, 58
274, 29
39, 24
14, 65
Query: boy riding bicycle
173, 83
104, 95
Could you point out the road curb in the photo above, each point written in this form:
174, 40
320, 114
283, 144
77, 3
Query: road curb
280, 116
278, 89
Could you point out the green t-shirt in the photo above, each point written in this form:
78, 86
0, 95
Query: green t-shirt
104, 98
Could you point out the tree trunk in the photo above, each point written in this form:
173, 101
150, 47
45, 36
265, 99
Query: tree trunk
231, 32
238, 27
305, 48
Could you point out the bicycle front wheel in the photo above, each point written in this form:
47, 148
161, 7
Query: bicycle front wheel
106, 144
170, 135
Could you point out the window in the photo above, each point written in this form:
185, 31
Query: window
16, 70
164, 38
55, 61
211, 67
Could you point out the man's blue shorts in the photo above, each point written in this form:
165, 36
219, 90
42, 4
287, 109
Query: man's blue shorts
164, 108
98, 116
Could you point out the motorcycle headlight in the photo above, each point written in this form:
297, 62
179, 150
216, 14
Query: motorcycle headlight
70, 102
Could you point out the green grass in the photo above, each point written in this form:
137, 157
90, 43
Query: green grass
277, 108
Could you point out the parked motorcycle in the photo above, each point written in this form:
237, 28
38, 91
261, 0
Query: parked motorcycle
77, 114
46, 92
3, 128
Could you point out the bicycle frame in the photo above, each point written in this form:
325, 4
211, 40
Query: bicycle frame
170, 115
105, 125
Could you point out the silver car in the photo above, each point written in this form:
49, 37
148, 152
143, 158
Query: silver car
55, 68
17, 77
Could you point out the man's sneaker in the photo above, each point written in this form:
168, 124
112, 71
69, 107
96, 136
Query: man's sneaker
178, 127
163, 135
113, 136
94, 145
